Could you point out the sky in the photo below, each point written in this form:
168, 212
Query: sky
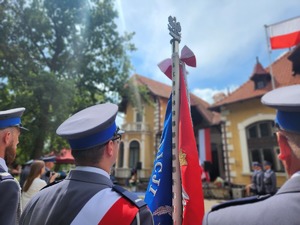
225, 35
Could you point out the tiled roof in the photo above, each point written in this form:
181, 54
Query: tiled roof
164, 91
258, 71
282, 72
155, 87
294, 57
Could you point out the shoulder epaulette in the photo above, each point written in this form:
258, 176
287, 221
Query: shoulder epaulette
129, 196
6, 176
240, 201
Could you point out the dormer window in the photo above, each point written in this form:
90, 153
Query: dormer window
260, 76
260, 84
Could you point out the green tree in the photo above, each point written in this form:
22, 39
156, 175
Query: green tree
56, 58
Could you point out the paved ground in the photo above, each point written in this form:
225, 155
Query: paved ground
208, 203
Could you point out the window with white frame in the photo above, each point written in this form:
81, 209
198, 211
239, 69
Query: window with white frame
138, 118
262, 144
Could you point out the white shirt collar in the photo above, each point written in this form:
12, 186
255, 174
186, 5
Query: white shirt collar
3, 164
92, 169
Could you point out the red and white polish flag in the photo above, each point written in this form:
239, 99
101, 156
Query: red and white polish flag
285, 34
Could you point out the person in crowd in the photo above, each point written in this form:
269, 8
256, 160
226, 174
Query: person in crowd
10, 129
34, 183
49, 165
251, 188
257, 186
25, 172
219, 182
87, 195
283, 207
205, 177
15, 170
269, 179
259, 180
133, 178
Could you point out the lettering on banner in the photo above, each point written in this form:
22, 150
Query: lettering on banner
158, 167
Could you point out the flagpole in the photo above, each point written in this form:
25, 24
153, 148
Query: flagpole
270, 58
175, 29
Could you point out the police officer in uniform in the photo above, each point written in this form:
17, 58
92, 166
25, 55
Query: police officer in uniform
87, 195
269, 179
10, 125
259, 180
283, 207
251, 188
25, 172
49, 165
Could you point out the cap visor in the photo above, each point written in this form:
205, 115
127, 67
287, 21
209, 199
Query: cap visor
121, 132
23, 128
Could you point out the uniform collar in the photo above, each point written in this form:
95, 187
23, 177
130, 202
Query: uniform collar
92, 169
3, 164
297, 174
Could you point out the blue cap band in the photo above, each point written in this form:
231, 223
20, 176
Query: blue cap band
93, 140
289, 121
10, 122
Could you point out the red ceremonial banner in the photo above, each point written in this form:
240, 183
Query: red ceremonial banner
193, 201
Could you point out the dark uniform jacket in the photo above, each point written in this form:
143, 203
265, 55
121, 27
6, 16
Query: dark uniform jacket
259, 182
10, 192
77, 200
270, 182
282, 208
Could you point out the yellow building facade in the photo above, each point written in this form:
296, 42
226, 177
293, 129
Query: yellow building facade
143, 125
247, 133
240, 116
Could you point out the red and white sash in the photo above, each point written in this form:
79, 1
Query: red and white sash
106, 208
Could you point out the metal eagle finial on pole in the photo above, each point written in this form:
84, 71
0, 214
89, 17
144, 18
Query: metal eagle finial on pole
175, 29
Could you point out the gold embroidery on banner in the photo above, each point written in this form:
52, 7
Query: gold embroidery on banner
182, 158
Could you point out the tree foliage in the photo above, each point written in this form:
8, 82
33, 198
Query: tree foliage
137, 94
56, 58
